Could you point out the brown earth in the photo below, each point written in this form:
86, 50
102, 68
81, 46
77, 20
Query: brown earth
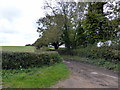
88, 76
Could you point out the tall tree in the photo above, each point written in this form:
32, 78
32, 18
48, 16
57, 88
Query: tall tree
50, 31
97, 26
113, 14
72, 13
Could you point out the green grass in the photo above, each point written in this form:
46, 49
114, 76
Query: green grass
98, 62
35, 77
17, 48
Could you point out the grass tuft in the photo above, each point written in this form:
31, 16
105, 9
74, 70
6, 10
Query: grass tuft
35, 77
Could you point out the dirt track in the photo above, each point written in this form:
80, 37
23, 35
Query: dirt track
88, 76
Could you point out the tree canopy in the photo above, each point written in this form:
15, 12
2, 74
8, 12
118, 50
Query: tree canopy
77, 24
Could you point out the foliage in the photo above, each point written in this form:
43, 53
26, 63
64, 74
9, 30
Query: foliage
97, 28
77, 29
113, 11
50, 31
18, 60
42, 77
96, 7
64, 18
80, 36
94, 52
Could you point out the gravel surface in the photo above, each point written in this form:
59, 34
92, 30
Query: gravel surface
88, 76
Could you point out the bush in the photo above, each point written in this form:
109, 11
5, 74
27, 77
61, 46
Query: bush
107, 53
17, 60
94, 52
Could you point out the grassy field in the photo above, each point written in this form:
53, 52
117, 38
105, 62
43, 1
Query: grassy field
35, 77
98, 62
17, 48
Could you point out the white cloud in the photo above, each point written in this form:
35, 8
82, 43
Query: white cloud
18, 21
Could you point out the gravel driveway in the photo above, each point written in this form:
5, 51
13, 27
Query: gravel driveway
88, 76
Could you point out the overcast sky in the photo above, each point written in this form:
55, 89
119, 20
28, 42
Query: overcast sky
18, 21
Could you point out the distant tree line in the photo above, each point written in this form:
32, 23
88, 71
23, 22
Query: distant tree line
29, 45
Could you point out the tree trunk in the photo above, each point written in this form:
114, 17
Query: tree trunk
56, 47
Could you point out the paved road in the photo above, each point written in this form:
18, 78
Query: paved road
88, 76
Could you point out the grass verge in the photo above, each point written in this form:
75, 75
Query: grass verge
98, 62
35, 77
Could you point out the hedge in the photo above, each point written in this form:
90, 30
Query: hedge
18, 60
94, 53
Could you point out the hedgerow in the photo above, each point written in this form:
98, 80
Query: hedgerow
18, 60
94, 53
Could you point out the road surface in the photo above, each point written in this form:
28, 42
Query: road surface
88, 76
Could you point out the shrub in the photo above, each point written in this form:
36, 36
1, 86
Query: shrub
17, 60
94, 52
107, 53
